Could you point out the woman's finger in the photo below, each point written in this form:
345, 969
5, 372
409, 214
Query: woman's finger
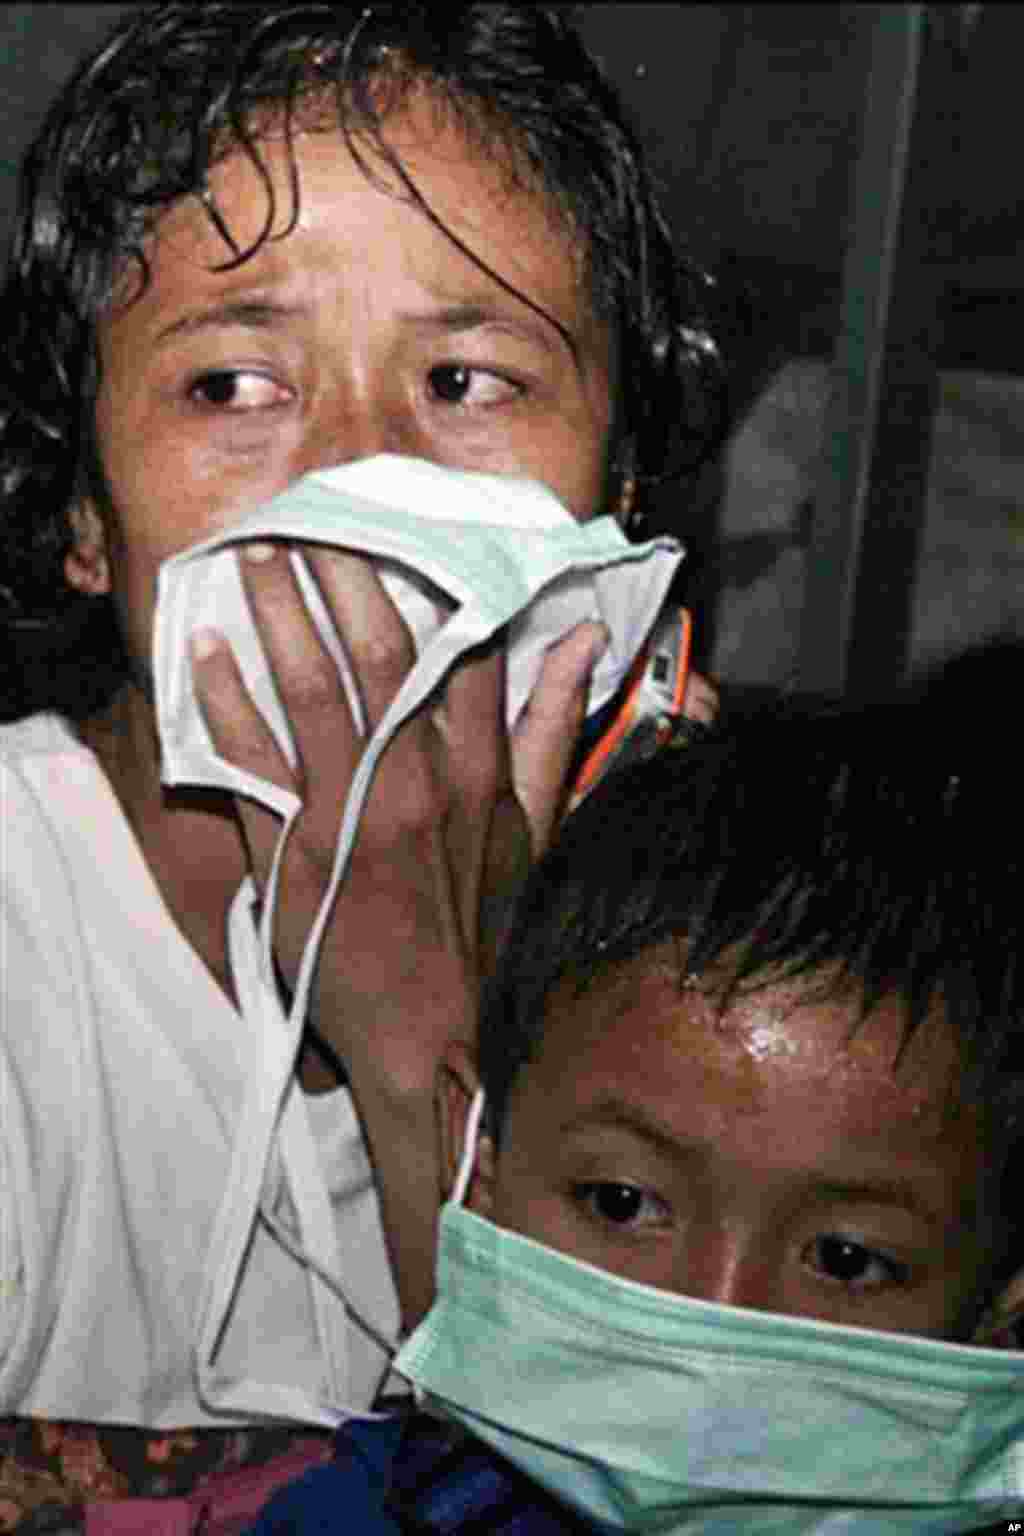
700, 700
374, 634
241, 736
306, 674
470, 717
545, 737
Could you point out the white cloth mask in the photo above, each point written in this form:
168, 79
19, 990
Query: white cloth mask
462, 555
488, 550
651, 1412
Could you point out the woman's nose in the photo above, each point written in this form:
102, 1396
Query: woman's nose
355, 424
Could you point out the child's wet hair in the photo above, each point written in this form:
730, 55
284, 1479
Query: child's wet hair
878, 847
179, 86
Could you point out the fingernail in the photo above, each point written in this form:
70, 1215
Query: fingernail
205, 642
602, 640
259, 554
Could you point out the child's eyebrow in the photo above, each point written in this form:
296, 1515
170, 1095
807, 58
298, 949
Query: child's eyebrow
885, 1191
611, 1110
616, 1112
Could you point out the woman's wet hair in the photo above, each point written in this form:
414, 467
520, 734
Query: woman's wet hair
177, 88
875, 851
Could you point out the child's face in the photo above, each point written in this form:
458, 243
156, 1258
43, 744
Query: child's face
364, 330
764, 1159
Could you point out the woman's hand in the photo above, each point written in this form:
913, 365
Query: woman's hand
455, 815
700, 700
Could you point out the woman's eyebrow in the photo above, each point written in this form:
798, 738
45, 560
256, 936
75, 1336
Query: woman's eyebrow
264, 313
464, 316
453, 318
257, 314
530, 318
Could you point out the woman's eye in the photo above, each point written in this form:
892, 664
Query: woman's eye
621, 1205
237, 389
459, 384
859, 1268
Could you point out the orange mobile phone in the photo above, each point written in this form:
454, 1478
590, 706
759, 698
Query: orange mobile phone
652, 698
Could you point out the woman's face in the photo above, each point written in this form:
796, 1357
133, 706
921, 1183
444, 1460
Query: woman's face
362, 330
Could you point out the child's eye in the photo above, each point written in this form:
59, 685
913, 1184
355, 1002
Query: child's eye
460, 384
621, 1205
852, 1265
237, 389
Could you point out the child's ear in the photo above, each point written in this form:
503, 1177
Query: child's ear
87, 563
457, 1084
1002, 1326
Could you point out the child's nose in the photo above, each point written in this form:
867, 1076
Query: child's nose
727, 1267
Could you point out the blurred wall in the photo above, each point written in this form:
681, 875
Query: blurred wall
39, 47
750, 113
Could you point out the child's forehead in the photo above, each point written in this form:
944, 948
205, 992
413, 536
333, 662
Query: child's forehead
772, 1045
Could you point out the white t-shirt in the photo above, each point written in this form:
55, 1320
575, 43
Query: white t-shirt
124, 1071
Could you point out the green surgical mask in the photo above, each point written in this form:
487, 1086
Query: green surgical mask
652, 1412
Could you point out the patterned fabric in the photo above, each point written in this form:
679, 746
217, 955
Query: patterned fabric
409, 1475
51, 1472
445, 1481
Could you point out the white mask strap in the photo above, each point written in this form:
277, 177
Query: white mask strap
467, 1161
